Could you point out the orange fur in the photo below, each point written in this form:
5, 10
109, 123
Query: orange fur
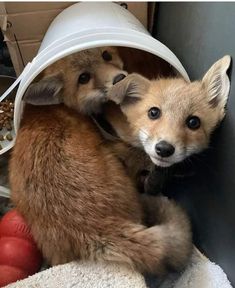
177, 100
62, 78
73, 189
79, 202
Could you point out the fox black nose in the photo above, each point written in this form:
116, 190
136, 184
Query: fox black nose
118, 78
164, 149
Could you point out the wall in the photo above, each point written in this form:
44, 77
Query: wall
199, 34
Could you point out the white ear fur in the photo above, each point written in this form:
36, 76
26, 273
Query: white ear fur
217, 83
45, 92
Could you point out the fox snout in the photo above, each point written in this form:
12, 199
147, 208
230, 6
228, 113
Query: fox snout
163, 153
164, 149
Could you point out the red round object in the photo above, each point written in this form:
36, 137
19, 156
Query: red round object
13, 224
10, 274
20, 253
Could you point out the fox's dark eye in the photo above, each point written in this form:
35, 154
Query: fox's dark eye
193, 122
154, 113
84, 78
107, 56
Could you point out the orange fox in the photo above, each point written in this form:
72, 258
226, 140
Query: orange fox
73, 190
170, 119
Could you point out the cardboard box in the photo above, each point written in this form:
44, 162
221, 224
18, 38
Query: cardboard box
24, 7
30, 28
22, 52
28, 20
24, 25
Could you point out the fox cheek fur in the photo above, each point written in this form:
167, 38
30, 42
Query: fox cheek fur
171, 118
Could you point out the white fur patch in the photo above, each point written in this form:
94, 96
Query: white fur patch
143, 136
149, 146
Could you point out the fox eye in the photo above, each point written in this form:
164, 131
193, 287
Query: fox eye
154, 113
193, 122
107, 56
84, 78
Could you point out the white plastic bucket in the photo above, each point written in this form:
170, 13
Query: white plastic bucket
83, 26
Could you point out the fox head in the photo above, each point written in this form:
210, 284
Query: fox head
80, 80
171, 118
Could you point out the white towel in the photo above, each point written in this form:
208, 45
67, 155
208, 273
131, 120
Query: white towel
84, 275
200, 273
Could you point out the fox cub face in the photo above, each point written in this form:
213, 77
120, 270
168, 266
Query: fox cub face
171, 118
79, 80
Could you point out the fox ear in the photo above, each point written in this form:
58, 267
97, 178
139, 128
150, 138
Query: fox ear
217, 83
129, 90
47, 91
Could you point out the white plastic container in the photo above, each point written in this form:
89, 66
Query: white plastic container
87, 25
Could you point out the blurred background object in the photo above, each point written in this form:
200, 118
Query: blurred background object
6, 67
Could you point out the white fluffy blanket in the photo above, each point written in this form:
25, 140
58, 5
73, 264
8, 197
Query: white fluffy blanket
199, 273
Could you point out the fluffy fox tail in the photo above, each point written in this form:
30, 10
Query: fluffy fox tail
164, 247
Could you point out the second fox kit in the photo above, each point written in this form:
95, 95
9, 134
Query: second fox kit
80, 80
74, 192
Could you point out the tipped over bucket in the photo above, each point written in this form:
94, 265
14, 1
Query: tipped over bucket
83, 26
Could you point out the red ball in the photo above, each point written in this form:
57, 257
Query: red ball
20, 253
10, 274
13, 224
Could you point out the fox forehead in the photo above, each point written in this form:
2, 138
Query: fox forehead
177, 95
89, 59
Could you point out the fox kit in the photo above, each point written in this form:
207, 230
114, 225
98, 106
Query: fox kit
72, 189
80, 80
171, 119
80, 203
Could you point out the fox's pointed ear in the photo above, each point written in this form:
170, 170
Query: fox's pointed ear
129, 90
47, 91
217, 83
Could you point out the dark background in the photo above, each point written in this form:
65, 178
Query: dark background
6, 67
199, 34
